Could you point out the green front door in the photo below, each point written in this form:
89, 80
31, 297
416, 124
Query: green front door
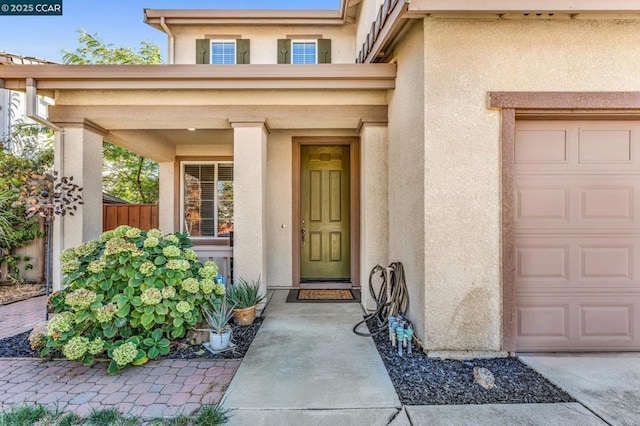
325, 208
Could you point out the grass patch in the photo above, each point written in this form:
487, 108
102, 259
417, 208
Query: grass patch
41, 415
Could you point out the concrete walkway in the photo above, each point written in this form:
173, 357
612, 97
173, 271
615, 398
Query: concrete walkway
607, 384
306, 367
18, 317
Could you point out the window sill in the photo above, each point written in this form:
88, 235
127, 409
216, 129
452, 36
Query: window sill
197, 241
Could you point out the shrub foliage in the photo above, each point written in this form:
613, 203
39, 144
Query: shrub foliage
127, 295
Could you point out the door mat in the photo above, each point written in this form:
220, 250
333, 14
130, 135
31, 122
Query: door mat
323, 296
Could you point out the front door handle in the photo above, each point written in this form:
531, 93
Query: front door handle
303, 232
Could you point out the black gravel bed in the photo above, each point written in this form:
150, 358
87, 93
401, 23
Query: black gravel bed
242, 337
18, 346
420, 380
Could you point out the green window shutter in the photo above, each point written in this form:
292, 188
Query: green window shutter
324, 50
284, 51
203, 51
243, 52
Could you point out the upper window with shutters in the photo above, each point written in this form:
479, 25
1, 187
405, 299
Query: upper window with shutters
222, 52
292, 51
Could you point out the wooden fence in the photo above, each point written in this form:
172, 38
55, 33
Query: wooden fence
143, 216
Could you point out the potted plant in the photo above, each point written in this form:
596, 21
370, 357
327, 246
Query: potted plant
218, 313
245, 297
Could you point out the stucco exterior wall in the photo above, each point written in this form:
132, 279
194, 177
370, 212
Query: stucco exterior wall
264, 40
407, 173
464, 59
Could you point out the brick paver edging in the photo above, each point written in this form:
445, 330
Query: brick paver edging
156, 389
18, 317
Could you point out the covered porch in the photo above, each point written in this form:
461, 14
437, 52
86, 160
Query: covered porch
246, 117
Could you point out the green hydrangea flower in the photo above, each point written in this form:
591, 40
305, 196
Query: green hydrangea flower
70, 266
87, 248
207, 286
133, 233
171, 251
60, 323
118, 245
105, 313
106, 236
151, 296
173, 239
190, 285
209, 270
80, 299
76, 348
219, 289
125, 354
97, 266
95, 346
150, 242
168, 292
190, 255
147, 269
178, 264
183, 307
68, 255
155, 233
121, 231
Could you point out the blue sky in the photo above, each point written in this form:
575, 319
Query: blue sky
117, 21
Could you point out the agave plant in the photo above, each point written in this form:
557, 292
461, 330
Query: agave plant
244, 295
217, 313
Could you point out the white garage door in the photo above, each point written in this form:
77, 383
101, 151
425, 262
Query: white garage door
577, 235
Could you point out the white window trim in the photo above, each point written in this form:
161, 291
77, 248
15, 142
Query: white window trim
314, 41
235, 49
215, 201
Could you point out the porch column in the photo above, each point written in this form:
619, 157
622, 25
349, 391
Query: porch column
166, 198
78, 153
374, 223
249, 192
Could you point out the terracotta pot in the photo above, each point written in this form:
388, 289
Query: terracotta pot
245, 316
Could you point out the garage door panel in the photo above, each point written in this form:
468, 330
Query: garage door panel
577, 235
578, 322
616, 150
554, 262
607, 262
606, 322
612, 203
577, 203
541, 147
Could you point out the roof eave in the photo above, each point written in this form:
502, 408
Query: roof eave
186, 77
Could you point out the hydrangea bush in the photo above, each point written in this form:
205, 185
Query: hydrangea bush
127, 295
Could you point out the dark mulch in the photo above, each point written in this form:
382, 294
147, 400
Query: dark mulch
420, 380
18, 346
242, 337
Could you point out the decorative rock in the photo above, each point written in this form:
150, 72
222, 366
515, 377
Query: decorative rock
197, 337
37, 335
484, 377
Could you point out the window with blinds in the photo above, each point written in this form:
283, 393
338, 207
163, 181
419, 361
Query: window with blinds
223, 52
207, 208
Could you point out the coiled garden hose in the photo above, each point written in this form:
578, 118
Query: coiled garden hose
391, 298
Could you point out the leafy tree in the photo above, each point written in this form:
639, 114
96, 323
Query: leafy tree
129, 176
126, 175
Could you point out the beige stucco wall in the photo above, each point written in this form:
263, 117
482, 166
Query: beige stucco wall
464, 59
264, 40
407, 173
